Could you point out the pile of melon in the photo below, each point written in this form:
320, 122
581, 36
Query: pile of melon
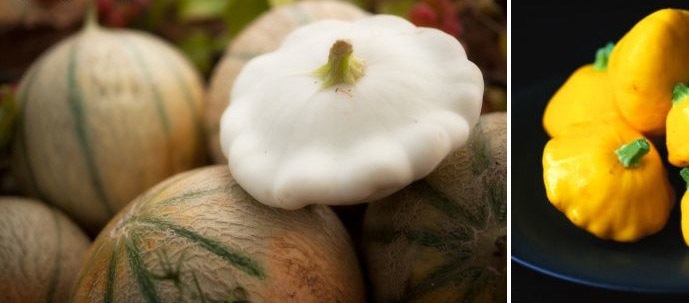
114, 150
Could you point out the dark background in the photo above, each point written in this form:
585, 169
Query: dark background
563, 35
549, 41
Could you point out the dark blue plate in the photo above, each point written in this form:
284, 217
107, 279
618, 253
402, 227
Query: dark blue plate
543, 239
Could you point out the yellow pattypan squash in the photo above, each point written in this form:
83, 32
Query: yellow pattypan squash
609, 180
585, 96
677, 136
646, 64
684, 207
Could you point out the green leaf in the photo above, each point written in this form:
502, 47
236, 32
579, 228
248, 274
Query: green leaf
685, 175
397, 7
157, 13
240, 13
275, 3
199, 48
189, 10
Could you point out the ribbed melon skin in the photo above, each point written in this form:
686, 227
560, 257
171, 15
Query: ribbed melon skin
444, 238
40, 252
198, 237
263, 35
105, 115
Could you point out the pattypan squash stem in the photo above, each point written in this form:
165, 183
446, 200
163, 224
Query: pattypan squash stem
602, 56
342, 66
91, 20
685, 175
630, 154
679, 93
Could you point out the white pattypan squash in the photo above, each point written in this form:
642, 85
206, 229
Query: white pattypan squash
349, 112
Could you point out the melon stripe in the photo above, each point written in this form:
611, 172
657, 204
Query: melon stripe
23, 98
237, 259
55, 276
158, 100
450, 208
112, 273
186, 197
497, 197
162, 114
198, 287
89, 262
483, 157
419, 237
188, 99
76, 107
444, 204
481, 149
440, 277
446, 274
152, 194
136, 264
431, 239
477, 278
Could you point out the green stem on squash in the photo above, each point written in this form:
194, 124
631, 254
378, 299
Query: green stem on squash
91, 20
342, 66
685, 175
679, 93
630, 154
602, 57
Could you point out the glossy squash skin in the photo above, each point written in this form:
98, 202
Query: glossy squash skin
607, 194
587, 95
646, 64
677, 124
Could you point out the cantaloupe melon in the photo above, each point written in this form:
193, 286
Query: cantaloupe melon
198, 237
104, 115
443, 238
41, 252
263, 35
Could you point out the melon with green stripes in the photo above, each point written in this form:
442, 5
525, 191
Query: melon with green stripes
104, 115
443, 238
41, 251
199, 237
263, 35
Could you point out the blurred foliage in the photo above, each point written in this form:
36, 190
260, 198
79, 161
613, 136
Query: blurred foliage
200, 48
274, 3
400, 7
203, 28
202, 9
236, 15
